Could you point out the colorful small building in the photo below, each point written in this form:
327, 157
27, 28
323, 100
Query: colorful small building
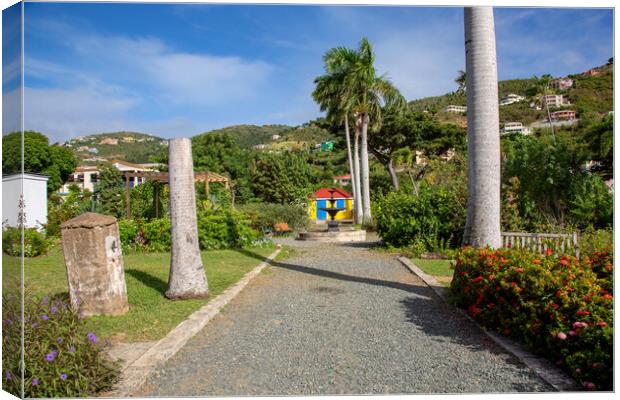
320, 199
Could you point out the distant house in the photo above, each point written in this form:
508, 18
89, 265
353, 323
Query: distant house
260, 147
275, 137
592, 72
319, 200
515, 127
27, 203
555, 100
85, 176
93, 150
562, 83
342, 180
111, 141
511, 99
456, 109
83, 148
563, 115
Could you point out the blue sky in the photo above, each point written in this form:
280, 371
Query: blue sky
179, 70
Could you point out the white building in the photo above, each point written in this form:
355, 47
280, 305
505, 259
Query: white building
85, 177
275, 137
34, 196
515, 127
562, 83
511, 99
555, 100
456, 109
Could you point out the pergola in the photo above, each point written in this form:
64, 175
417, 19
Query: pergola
206, 177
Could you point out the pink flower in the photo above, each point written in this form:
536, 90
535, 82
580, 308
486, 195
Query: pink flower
572, 333
562, 336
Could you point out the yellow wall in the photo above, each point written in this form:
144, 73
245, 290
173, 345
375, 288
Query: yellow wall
342, 215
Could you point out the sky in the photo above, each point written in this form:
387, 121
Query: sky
176, 70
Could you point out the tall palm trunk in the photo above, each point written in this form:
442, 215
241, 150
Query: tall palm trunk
359, 212
365, 171
483, 199
351, 168
393, 174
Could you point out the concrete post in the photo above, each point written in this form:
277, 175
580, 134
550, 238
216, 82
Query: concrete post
187, 275
92, 250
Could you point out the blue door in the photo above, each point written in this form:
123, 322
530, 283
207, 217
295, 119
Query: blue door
321, 215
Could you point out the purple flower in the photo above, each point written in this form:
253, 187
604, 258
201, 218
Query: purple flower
45, 317
54, 309
35, 381
8, 376
91, 336
50, 356
71, 349
34, 325
59, 340
44, 300
63, 377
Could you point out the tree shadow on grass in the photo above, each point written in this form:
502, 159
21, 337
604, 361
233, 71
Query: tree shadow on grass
149, 280
423, 308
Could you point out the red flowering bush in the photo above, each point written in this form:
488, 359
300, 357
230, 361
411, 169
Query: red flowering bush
555, 304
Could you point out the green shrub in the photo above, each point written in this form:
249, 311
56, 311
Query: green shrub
219, 229
62, 359
264, 216
128, 232
156, 233
431, 220
34, 242
557, 305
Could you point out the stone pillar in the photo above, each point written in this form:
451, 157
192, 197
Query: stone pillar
92, 249
187, 275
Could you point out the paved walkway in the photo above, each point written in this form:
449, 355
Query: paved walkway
339, 319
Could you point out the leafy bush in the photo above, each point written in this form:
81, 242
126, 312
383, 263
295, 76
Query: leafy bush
557, 305
62, 359
63, 208
431, 220
224, 229
156, 233
217, 229
264, 216
34, 242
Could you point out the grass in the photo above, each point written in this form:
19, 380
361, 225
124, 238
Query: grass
440, 269
151, 316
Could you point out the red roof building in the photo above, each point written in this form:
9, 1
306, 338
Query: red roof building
324, 193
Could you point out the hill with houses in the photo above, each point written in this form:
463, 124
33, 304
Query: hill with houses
588, 93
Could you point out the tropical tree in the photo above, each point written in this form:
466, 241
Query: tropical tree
482, 227
539, 90
460, 80
330, 93
110, 191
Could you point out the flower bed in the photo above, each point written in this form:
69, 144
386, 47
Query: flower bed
557, 305
62, 358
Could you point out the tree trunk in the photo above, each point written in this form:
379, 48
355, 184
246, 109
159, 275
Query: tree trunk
393, 175
365, 171
187, 274
483, 147
351, 168
359, 212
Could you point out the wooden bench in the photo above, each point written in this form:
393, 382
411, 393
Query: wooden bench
540, 242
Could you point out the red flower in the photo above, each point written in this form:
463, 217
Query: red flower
520, 270
564, 262
536, 262
549, 252
608, 296
491, 277
477, 279
602, 324
581, 312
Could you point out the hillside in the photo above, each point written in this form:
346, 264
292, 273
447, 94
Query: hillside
590, 96
275, 137
129, 146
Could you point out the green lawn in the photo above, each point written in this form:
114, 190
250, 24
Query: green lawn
440, 269
151, 316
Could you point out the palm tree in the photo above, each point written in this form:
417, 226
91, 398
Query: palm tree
541, 89
367, 93
460, 80
482, 227
330, 93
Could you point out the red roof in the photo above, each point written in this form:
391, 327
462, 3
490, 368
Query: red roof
348, 176
323, 193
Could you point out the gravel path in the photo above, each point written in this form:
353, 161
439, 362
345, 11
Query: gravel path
339, 319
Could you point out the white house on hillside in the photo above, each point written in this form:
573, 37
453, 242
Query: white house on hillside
456, 109
510, 99
515, 127
33, 199
86, 176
